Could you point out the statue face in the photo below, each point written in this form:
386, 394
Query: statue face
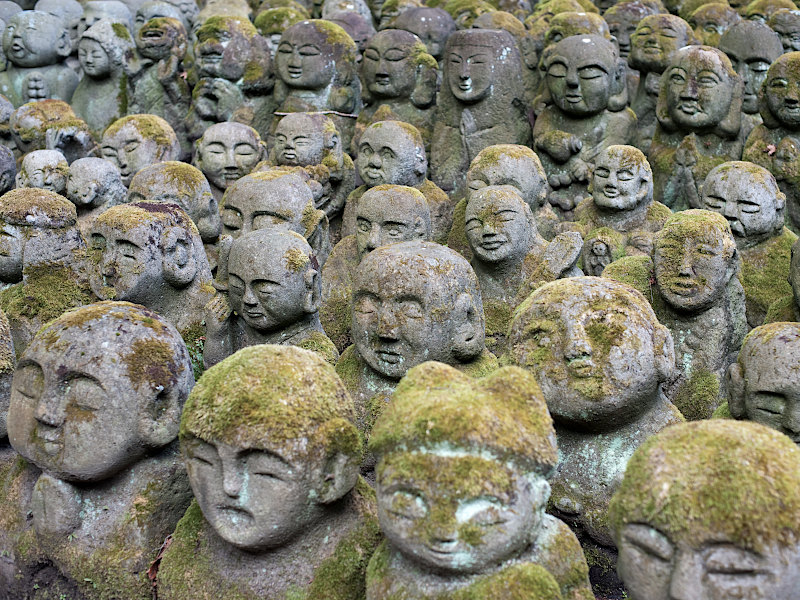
699, 91
470, 72
397, 319
74, 413
616, 183
497, 225
654, 42
221, 53
711, 22
263, 206
789, 32
621, 25
655, 568
130, 265
155, 39
11, 244
579, 81
254, 499
380, 222
387, 155
783, 93
81, 189
434, 522
520, 173
386, 66
29, 39
748, 205
751, 65
41, 171
227, 153
302, 61
93, 59
691, 270
129, 151
299, 143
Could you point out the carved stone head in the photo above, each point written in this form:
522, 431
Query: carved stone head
479, 64
510, 164
160, 36
397, 65
499, 225
778, 98
305, 139
656, 39
45, 169
388, 214
431, 25
391, 152
104, 49
136, 141
227, 152
752, 47
761, 10
36, 125
622, 179
786, 23
34, 38
271, 24
94, 181
230, 48
711, 21
97, 10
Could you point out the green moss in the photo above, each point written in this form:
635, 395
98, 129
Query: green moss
121, 31
152, 362
156, 215
296, 259
100, 310
336, 37
349, 368
723, 412
697, 398
318, 342
151, 127
214, 26
765, 272
278, 19
635, 271
195, 338
28, 206
782, 310
48, 291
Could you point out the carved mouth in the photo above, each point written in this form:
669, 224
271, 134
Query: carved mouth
253, 314
212, 57
234, 513
683, 287
382, 79
373, 174
610, 192
581, 367
574, 98
51, 441
465, 86
294, 72
153, 34
389, 357
492, 244
689, 108
289, 154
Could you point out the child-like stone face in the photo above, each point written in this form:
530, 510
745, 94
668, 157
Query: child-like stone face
298, 142
93, 58
302, 60
459, 513
470, 71
782, 89
787, 26
497, 225
711, 21
380, 222
699, 89
386, 66
621, 24
129, 151
220, 52
81, 188
388, 155
751, 50
579, 76
617, 182
655, 40
45, 171
256, 206
228, 153
29, 39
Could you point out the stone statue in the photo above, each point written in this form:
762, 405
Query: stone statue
485, 531
622, 19
761, 10
189, 9
51, 125
386, 214
273, 298
8, 169
317, 72
752, 47
357, 26
98, 413
749, 198
136, 141
226, 152
36, 45
699, 115
271, 24
431, 25
601, 358
392, 9
786, 23
97, 10
656, 39
621, 203
787, 308
102, 96
155, 9
272, 455
400, 80
586, 81
45, 169
93, 185
412, 302
677, 539
711, 21
71, 12
509, 256
150, 253
393, 153
464, 12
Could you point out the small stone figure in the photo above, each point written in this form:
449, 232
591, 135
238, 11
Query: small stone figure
656, 39
317, 72
749, 198
151, 254
710, 510
393, 153
431, 25
480, 104
357, 26
752, 47
482, 533
412, 302
400, 79
601, 358
509, 256
786, 23
711, 21
386, 214
98, 413
93, 185
464, 12
189, 9
622, 19
36, 45
273, 298
699, 115
621, 203
136, 141
586, 81
51, 125
272, 454
44, 169
227, 152
97, 10
102, 96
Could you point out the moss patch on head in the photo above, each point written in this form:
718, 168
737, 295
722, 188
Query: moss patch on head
48, 292
699, 396
126, 217
278, 19
296, 259
714, 480
152, 362
503, 413
37, 207
151, 127
320, 343
214, 26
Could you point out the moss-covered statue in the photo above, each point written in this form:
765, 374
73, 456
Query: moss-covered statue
51, 125
711, 21
103, 95
272, 22
44, 169
393, 153
655, 41
317, 72
412, 302
480, 103
620, 217
431, 25
786, 23
699, 115
93, 185
509, 256
273, 298
400, 80
586, 81
98, 413
272, 454
8, 169
150, 253
462, 487
36, 44
43, 255
761, 10
234, 76
601, 358
622, 19
97, 10
136, 141
752, 47
787, 308
311, 141
711, 510
749, 198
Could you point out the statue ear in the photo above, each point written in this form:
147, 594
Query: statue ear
427, 79
419, 229
179, 264
468, 329
644, 190
735, 384
64, 44
619, 89
159, 417
662, 114
732, 123
337, 476
313, 295
664, 350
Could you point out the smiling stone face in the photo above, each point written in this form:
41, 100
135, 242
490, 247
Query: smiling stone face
622, 179
227, 152
499, 225
136, 141
391, 152
656, 39
782, 90
303, 59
